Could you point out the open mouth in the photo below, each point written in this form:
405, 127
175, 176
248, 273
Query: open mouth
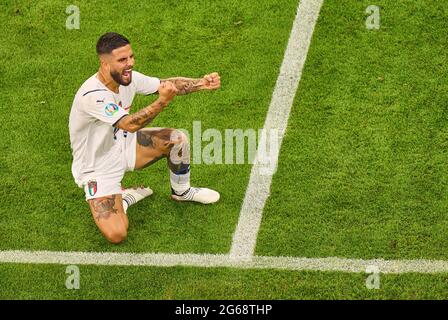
127, 74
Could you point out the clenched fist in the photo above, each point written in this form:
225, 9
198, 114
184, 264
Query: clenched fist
211, 81
167, 91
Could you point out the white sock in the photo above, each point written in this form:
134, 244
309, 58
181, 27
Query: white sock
180, 182
125, 206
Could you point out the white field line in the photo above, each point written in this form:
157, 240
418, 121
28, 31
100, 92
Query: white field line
258, 189
220, 260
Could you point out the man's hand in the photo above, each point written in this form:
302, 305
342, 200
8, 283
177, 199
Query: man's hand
211, 81
167, 91
140, 119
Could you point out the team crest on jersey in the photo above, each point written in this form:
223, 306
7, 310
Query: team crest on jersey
92, 185
111, 109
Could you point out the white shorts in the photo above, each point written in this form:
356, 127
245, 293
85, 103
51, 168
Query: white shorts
106, 184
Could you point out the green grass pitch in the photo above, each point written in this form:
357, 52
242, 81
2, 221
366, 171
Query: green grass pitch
362, 169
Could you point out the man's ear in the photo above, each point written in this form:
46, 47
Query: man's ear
104, 61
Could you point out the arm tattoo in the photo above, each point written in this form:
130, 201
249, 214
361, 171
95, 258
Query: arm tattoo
104, 207
144, 117
185, 85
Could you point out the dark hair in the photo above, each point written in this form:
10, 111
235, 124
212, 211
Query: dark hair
110, 41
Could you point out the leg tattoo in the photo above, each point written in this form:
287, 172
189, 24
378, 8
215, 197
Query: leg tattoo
104, 207
144, 138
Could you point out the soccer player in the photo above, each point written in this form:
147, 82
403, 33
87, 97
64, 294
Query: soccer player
107, 141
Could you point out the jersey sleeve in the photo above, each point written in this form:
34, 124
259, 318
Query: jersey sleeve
104, 109
144, 84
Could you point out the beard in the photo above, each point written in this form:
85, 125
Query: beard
119, 78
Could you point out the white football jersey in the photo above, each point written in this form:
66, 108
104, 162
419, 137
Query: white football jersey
96, 144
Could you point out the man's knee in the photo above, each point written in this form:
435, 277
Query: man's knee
179, 156
176, 144
163, 139
179, 138
116, 235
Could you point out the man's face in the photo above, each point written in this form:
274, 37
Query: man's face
120, 63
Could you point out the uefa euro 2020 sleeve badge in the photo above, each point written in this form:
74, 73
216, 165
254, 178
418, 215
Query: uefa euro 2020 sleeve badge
92, 185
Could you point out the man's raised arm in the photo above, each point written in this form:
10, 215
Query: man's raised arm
210, 81
140, 119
